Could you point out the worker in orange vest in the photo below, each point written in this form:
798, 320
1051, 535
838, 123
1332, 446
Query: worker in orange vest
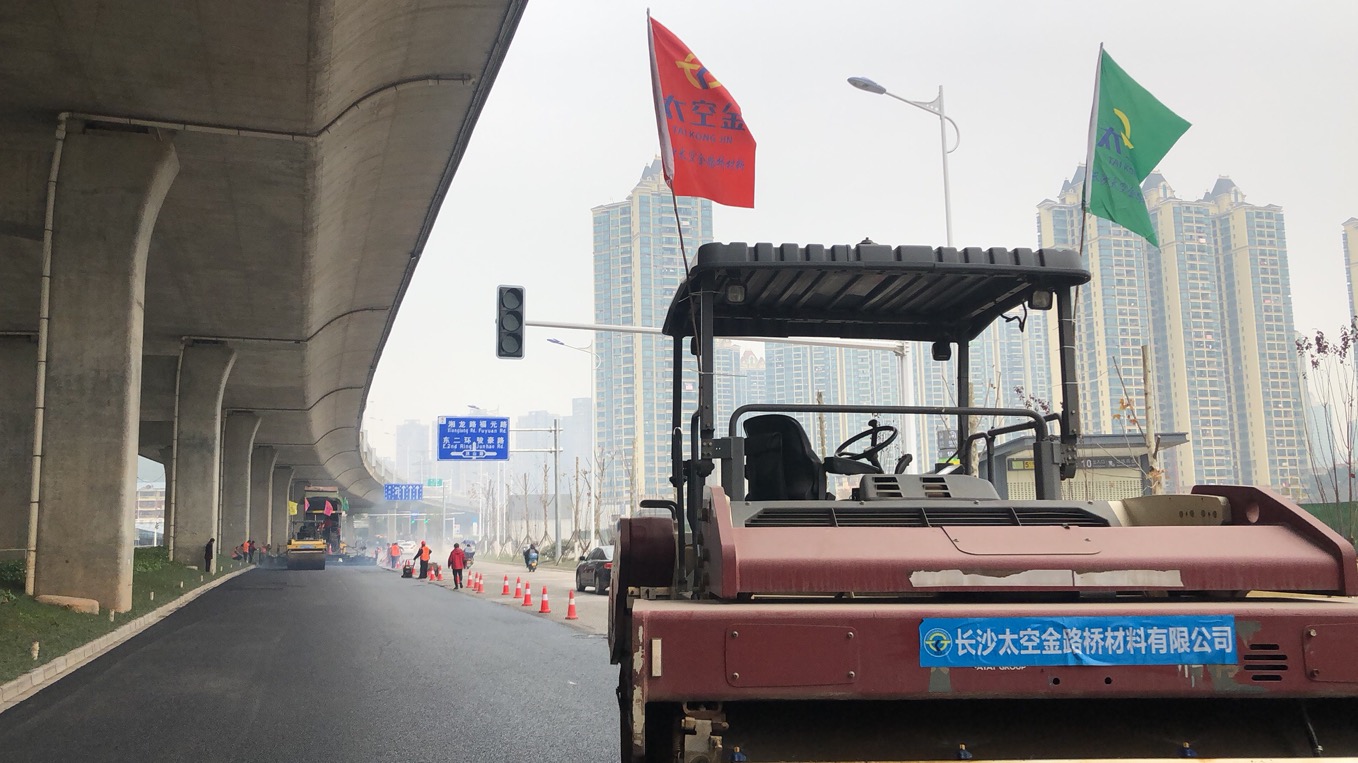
395, 553
423, 556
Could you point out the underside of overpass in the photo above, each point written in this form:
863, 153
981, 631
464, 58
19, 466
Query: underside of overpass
208, 216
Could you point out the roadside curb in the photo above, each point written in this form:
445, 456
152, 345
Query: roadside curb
39, 678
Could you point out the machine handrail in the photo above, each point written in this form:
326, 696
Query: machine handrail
1039, 424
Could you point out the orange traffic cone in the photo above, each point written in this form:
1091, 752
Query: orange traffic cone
518, 590
438, 572
570, 607
480, 583
505, 591
546, 608
527, 596
475, 582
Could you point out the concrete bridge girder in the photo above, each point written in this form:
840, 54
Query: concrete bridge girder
313, 152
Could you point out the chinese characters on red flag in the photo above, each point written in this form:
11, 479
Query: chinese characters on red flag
705, 147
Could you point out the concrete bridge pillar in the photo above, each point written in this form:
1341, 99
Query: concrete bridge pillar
278, 505
110, 187
203, 371
18, 364
261, 493
238, 443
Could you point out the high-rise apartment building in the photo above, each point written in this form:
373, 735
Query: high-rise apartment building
638, 266
1350, 241
414, 450
1111, 312
1213, 304
1188, 338
1260, 340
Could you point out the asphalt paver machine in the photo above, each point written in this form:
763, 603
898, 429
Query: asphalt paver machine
923, 611
314, 534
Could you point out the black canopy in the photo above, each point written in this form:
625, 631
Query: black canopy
868, 291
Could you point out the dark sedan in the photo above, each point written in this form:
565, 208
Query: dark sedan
595, 569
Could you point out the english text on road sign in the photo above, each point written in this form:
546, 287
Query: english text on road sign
975, 642
473, 438
397, 491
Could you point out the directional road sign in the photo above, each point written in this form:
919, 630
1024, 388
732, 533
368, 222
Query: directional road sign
395, 491
473, 438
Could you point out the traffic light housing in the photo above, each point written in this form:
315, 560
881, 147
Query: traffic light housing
509, 322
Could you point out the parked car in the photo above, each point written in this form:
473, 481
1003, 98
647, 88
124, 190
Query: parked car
595, 569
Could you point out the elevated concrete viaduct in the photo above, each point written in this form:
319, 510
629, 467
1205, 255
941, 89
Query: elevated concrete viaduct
209, 213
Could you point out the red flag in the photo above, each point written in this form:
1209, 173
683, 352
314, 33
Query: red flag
705, 148
328, 508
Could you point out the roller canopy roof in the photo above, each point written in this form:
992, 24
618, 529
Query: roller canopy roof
868, 291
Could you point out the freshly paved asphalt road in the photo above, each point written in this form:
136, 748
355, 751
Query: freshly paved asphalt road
351, 664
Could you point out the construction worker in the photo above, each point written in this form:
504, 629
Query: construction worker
395, 554
423, 555
457, 561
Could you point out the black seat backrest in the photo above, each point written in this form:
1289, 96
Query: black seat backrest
780, 464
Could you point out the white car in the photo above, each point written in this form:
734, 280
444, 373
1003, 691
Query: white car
408, 547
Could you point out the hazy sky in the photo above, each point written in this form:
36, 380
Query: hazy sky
1269, 88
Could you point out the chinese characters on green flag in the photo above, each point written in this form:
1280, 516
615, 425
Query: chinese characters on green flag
1129, 133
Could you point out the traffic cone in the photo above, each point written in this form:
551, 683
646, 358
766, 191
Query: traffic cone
480, 583
505, 591
438, 572
570, 607
518, 590
546, 608
527, 596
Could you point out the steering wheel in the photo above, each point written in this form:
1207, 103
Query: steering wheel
868, 455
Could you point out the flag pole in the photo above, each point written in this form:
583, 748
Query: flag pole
1089, 152
678, 228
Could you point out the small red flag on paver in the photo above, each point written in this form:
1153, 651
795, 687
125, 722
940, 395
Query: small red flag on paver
329, 509
705, 147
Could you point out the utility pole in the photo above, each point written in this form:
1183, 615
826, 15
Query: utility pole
1155, 476
556, 482
555, 450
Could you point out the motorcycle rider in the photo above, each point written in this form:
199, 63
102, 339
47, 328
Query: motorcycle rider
530, 557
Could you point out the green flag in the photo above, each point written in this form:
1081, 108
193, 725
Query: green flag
1129, 133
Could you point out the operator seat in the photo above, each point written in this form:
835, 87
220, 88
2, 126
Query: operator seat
780, 464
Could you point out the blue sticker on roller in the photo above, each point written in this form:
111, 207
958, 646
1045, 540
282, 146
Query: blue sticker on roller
976, 642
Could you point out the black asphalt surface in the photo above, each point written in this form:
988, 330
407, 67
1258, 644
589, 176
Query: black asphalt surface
345, 664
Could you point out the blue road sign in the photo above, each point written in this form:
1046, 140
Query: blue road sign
473, 438
395, 491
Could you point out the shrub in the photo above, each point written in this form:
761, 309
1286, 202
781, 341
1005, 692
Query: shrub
149, 559
12, 575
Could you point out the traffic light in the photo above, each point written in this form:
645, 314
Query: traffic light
509, 322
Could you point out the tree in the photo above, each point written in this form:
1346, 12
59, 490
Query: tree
1330, 374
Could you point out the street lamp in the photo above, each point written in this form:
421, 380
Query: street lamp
934, 107
586, 349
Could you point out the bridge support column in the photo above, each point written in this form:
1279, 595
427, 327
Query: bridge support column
203, 371
18, 364
261, 493
109, 190
278, 505
238, 442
